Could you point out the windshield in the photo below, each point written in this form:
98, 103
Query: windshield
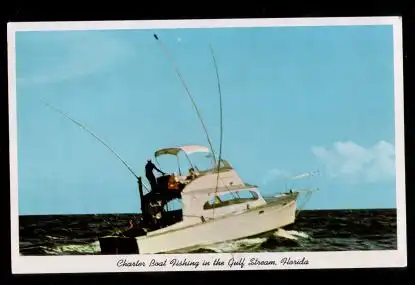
181, 164
227, 199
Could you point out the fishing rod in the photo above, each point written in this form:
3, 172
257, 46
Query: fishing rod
166, 52
94, 135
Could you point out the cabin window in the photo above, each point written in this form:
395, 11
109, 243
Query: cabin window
173, 205
231, 198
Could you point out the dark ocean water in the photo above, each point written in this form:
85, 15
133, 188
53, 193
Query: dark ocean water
323, 230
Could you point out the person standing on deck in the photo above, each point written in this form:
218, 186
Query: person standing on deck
150, 175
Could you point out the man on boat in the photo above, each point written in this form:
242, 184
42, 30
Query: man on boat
192, 174
150, 175
133, 230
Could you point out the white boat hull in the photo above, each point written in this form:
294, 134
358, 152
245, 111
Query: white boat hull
250, 223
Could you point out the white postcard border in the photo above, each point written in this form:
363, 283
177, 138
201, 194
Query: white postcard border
316, 260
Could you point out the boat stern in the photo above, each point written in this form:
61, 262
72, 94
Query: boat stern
118, 245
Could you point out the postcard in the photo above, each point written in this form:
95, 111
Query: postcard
194, 145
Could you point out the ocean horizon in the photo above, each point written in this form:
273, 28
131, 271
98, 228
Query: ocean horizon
313, 230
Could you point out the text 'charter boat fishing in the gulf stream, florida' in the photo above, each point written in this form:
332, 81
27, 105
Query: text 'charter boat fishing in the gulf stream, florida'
217, 205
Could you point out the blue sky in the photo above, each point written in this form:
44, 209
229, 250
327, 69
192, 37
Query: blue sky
295, 99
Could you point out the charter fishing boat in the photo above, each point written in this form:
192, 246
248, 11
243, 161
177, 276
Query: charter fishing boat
217, 206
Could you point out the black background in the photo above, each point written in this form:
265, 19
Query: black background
157, 10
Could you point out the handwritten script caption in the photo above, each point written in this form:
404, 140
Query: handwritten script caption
197, 263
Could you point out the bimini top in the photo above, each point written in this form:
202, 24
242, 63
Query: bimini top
187, 149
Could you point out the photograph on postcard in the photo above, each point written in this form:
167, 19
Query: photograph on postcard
193, 140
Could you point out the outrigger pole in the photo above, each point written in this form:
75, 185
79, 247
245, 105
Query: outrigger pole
221, 124
139, 181
166, 52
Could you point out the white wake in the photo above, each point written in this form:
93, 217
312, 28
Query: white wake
252, 244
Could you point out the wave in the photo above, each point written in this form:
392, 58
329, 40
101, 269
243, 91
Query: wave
73, 249
253, 244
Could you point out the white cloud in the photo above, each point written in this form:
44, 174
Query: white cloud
46, 58
352, 162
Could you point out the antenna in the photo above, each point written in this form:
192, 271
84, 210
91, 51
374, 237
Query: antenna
166, 52
91, 133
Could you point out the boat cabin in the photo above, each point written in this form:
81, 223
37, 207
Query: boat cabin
202, 194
